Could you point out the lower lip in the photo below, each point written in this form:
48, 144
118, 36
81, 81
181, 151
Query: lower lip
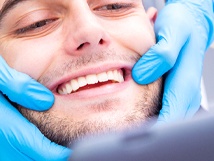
107, 89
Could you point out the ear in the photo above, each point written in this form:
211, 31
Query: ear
152, 14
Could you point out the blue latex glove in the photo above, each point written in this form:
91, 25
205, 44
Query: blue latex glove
184, 30
20, 139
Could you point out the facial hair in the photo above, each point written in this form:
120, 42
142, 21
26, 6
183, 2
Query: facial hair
65, 130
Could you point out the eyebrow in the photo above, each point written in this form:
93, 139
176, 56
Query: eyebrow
8, 6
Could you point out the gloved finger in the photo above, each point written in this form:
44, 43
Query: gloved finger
162, 56
47, 150
55, 152
182, 84
202, 10
22, 89
21, 140
194, 106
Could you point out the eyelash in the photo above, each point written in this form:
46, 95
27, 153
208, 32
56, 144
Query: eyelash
115, 6
40, 24
35, 26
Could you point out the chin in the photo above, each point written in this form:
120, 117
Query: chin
64, 126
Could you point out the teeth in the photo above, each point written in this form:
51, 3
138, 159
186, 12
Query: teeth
63, 91
110, 75
102, 77
82, 81
68, 88
115, 73
60, 92
92, 79
75, 84
120, 75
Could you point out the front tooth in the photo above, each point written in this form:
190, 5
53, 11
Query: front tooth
91, 79
68, 88
110, 75
102, 77
82, 81
74, 84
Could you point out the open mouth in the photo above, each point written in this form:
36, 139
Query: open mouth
91, 81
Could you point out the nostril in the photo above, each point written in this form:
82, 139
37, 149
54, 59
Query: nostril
101, 41
85, 44
80, 47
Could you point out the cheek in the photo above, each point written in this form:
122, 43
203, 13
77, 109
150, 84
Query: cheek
135, 34
138, 40
30, 57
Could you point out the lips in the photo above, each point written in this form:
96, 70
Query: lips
91, 81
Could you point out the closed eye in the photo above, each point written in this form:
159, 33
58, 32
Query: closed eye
35, 26
114, 7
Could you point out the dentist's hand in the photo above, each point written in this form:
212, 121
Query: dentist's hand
20, 139
184, 30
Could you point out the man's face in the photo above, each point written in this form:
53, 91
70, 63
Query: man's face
83, 51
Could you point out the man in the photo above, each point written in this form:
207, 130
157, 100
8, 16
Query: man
83, 51
16, 134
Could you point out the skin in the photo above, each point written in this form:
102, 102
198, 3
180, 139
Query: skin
81, 38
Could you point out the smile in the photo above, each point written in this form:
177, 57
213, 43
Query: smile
91, 81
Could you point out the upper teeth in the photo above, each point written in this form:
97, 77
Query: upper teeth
74, 84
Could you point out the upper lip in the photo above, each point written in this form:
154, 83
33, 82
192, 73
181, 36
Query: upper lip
86, 71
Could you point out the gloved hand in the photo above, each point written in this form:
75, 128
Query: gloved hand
184, 30
20, 139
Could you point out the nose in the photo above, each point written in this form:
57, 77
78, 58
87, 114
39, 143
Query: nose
86, 32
